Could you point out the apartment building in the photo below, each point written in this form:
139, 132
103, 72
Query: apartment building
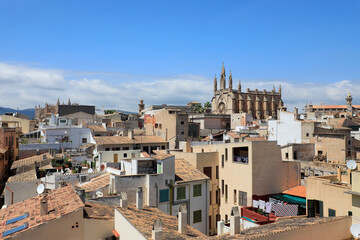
8, 151
169, 124
247, 169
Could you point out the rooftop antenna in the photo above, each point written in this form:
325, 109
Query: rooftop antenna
355, 230
351, 164
40, 189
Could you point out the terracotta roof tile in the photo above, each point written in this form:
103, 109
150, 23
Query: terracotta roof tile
25, 176
97, 128
118, 140
299, 191
30, 160
144, 219
61, 201
99, 211
185, 172
160, 155
97, 183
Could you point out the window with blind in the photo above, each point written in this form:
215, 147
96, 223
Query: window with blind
197, 190
181, 193
242, 198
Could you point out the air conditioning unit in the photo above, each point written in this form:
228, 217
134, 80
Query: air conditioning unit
82, 178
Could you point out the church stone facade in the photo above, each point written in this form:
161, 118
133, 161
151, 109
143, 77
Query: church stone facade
259, 104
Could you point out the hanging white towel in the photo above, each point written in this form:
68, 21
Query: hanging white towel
262, 204
255, 203
268, 207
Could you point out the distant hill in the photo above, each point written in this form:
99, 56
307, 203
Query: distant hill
28, 112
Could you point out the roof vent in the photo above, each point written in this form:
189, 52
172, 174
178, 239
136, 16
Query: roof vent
157, 232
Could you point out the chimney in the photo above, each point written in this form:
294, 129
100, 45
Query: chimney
220, 227
131, 134
44, 209
81, 193
123, 200
296, 113
139, 198
157, 232
234, 221
182, 228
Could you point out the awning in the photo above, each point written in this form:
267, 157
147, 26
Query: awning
290, 199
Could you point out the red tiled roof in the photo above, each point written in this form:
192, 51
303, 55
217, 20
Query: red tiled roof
97, 183
299, 191
61, 201
185, 172
30, 160
97, 128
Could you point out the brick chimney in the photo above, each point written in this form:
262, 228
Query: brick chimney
157, 232
234, 221
131, 134
139, 198
44, 208
182, 227
123, 200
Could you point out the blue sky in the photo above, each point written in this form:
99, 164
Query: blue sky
122, 42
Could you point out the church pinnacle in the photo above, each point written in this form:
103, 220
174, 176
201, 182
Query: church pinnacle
230, 81
223, 78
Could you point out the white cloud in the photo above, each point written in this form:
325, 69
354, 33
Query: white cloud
23, 87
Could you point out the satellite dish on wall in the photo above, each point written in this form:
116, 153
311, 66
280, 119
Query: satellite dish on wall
351, 164
355, 230
40, 189
99, 194
90, 170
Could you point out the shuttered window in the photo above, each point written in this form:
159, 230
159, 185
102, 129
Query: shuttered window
197, 216
242, 198
180, 193
332, 213
164, 195
197, 190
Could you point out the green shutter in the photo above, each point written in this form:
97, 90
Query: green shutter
311, 208
321, 208
181, 193
164, 195
197, 216
197, 190
159, 168
332, 213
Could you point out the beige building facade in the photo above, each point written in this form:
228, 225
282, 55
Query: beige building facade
250, 168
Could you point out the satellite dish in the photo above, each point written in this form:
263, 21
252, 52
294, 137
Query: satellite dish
355, 230
40, 189
351, 164
90, 170
99, 194
226, 137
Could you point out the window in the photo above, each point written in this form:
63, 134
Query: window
217, 172
182, 122
107, 149
210, 198
84, 140
207, 171
182, 132
209, 223
320, 152
197, 216
332, 213
181, 193
197, 190
307, 134
241, 155
164, 195
222, 161
349, 213
295, 155
226, 193
242, 198
159, 168
125, 148
286, 155
226, 217
222, 187
234, 196
163, 147
217, 196
226, 154
125, 155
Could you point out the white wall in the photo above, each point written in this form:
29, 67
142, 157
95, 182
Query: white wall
285, 130
125, 228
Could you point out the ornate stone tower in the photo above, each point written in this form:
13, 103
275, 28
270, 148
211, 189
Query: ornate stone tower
349, 103
141, 106
223, 78
215, 84
230, 81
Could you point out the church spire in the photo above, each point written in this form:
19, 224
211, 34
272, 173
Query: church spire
58, 102
239, 87
223, 78
280, 89
215, 84
69, 102
230, 81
